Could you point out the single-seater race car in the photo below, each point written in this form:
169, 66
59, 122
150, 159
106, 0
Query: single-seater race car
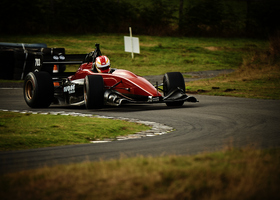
95, 90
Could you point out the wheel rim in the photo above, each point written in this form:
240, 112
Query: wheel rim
29, 90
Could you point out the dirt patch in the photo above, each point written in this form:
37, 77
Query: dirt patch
206, 74
212, 48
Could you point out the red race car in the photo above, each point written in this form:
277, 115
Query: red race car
96, 89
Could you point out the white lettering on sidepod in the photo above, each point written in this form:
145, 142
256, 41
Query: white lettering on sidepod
70, 89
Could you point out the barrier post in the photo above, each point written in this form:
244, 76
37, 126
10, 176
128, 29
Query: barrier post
130, 31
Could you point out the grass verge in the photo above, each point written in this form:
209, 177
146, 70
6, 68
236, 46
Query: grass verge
256, 62
158, 54
25, 131
257, 77
229, 174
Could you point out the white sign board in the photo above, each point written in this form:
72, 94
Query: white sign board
135, 44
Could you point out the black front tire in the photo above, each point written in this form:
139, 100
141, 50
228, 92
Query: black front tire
38, 89
171, 81
94, 91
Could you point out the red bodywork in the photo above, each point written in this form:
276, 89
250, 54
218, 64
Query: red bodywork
121, 80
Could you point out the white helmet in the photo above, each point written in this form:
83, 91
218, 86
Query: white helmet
102, 64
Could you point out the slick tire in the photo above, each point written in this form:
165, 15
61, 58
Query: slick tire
94, 91
38, 89
171, 81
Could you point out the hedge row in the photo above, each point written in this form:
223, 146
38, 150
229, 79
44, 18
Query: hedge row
151, 17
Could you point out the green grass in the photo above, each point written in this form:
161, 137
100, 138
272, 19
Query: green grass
258, 89
228, 174
158, 54
257, 77
25, 131
166, 54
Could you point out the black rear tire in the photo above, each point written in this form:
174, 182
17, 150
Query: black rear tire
38, 89
94, 91
171, 81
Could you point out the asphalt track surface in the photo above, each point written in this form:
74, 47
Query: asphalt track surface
210, 125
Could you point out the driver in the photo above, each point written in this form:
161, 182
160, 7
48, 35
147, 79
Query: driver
102, 64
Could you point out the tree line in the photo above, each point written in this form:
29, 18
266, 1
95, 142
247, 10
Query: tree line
257, 18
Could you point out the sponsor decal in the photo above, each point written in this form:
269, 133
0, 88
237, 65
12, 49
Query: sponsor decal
37, 62
153, 99
70, 89
55, 57
60, 57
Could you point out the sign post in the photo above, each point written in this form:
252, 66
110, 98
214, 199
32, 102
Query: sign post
131, 41
131, 44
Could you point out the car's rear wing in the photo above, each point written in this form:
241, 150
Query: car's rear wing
18, 59
64, 59
57, 63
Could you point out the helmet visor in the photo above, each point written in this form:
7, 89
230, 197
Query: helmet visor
104, 69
